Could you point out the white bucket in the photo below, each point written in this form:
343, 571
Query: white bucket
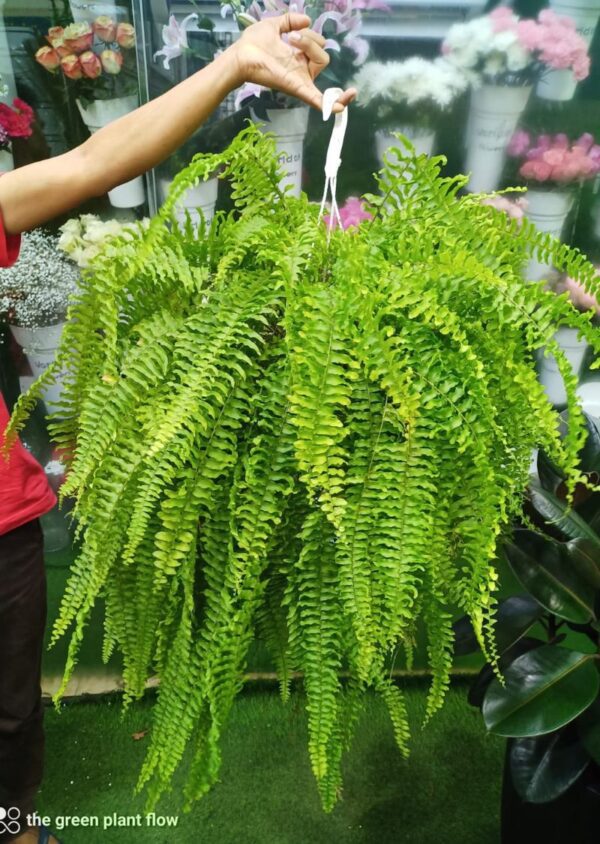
548, 373
40, 346
547, 210
289, 126
6, 161
422, 140
198, 200
585, 13
100, 113
589, 395
85, 11
558, 85
493, 118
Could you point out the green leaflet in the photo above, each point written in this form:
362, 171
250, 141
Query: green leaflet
315, 443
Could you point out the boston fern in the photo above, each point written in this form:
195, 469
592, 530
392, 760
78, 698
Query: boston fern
316, 443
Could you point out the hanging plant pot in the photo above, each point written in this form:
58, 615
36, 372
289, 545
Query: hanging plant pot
289, 126
197, 201
493, 117
100, 113
6, 160
574, 349
421, 138
39, 346
548, 211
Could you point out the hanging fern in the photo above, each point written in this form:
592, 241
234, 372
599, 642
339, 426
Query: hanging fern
317, 441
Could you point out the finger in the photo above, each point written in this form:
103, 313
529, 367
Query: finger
344, 100
310, 33
292, 21
318, 59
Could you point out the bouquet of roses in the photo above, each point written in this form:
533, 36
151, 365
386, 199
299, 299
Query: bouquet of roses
412, 91
502, 49
554, 159
97, 58
339, 21
15, 122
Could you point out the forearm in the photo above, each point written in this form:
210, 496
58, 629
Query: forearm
32, 195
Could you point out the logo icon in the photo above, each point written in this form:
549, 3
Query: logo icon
9, 820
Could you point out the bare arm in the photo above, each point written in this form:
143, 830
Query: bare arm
32, 195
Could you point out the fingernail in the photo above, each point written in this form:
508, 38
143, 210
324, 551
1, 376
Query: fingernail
295, 36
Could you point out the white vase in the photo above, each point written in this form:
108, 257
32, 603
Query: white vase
548, 374
558, 85
39, 346
548, 211
289, 126
6, 161
588, 393
100, 113
585, 13
493, 118
422, 140
197, 201
85, 11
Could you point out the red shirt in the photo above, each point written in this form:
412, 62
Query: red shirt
24, 490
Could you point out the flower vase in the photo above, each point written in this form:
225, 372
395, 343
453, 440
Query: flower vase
100, 113
422, 139
588, 393
557, 85
39, 346
585, 13
289, 126
6, 160
574, 349
548, 211
493, 118
197, 201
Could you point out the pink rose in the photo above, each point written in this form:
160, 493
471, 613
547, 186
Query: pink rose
55, 35
70, 67
519, 144
105, 28
90, 64
125, 36
536, 171
111, 61
554, 157
48, 58
78, 37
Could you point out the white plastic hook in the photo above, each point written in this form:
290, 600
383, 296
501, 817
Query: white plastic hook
334, 152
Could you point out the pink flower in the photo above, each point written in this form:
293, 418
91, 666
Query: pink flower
513, 208
554, 156
519, 144
582, 300
537, 171
352, 213
71, 67
125, 36
48, 58
78, 37
174, 36
90, 64
111, 61
105, 28
528, 32
503, 18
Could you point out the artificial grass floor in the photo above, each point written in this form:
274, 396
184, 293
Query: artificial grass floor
448, 792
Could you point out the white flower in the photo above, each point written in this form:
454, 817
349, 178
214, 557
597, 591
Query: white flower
174, 37
517, 58
415, 80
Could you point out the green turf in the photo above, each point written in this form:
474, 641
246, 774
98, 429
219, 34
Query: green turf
446, 793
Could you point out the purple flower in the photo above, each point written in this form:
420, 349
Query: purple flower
174, 36
519, 144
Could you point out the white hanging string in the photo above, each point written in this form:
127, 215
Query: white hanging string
334, 156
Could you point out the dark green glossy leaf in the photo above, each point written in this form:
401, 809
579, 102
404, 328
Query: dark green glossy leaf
588, 725
544, 767
514, 618
479, 685
556, 512
585, 556
545, 569
589, 458
544, 690
549, 474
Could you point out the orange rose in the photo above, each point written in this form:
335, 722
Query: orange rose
90, 64
105, 28
71, 67
55, 36
48, 58
78, 37
126, 36
111, 61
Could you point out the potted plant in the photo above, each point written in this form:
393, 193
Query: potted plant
15, 122
408, 97
553, 169
34, 296
505, 56
341, 22
547, 702
98, 62
316, 436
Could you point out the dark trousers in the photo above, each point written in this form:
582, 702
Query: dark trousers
22, 622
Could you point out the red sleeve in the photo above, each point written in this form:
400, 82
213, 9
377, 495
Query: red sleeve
9, 245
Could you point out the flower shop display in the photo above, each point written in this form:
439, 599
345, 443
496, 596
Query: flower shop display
408, 97
16, 121
584, 13
34, 296
548, 705
553, 167
98, 62
567, 53
340, 21
176, 41
314, 436
83, 238
504, 57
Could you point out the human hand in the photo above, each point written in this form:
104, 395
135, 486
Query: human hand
263, 57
